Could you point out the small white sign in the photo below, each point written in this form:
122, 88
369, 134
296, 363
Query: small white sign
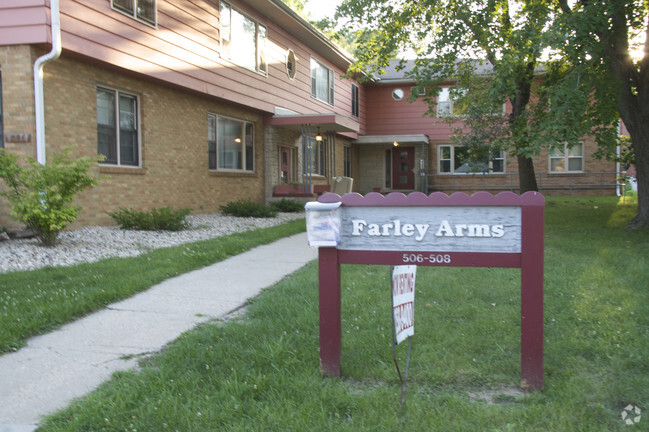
323, 223
403, 301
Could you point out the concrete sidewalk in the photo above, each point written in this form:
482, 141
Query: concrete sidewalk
53, 369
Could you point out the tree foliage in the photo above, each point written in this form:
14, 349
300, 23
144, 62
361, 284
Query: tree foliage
495, 52
596, 37
296, 5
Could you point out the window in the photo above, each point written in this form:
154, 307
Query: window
322, 82
117, 127
397, 94
418, 91
243, 40
2, 132
347, 162
388, 169
315, 156
143, 10
451, 101
567, 159
230, 144
355, 106
448, 103
457, 160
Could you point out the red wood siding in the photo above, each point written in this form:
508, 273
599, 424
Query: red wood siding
386, 116
183, 50
23, 22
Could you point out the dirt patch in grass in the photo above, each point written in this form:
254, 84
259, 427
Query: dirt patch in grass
498, 396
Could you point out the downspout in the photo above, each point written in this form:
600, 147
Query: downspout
39, 103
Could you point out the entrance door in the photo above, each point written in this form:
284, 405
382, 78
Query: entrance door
403, 164
285, 164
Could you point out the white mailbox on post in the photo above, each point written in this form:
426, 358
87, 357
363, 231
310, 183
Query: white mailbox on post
323, 223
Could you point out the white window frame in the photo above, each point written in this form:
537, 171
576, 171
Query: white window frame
417, 91
214, 144
568, 155
453, 168
331, 81
118, 128
134, 13
226, 10
444, 102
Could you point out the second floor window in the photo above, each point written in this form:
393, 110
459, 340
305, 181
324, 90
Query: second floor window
143, 10
230, 144
243, 40
452, 101
448, 103
355, 105
117, 128
322, 82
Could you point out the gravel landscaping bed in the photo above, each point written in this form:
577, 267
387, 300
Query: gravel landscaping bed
95, 243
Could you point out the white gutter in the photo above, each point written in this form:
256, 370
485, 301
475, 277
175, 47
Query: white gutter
39, 104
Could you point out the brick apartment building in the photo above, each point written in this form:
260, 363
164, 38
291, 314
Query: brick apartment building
195, 103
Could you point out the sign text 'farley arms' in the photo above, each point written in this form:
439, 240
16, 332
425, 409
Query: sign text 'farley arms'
445, 229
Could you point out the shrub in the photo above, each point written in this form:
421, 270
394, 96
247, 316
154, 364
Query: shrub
287, 206
161, 219
41, 196
248, 208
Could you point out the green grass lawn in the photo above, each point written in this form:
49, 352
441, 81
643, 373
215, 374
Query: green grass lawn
261, 372
34, 302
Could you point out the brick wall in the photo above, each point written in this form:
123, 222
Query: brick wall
174, 152
16, 63
587, 183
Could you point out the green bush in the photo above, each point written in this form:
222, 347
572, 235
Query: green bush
287, 206
161, 219
41, 196
248, 208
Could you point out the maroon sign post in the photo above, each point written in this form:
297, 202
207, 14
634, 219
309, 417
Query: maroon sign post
481, 230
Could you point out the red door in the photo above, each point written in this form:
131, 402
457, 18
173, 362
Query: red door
285, 164
403, 165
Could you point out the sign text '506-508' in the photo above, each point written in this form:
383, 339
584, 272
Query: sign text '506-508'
411, 258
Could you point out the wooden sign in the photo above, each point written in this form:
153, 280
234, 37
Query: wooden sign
481, 230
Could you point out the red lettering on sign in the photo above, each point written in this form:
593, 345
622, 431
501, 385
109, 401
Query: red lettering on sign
404, 316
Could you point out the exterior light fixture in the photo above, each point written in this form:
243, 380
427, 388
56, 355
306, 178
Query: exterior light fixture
318, 137
237, 140
396, 144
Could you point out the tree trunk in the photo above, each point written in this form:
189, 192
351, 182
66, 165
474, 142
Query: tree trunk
633, 104
526, 174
